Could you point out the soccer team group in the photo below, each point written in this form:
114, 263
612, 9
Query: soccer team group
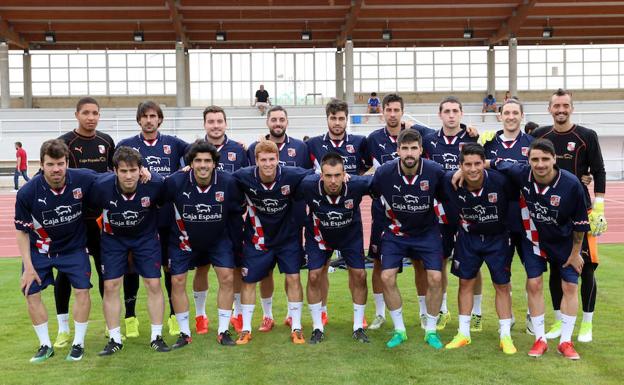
156, 203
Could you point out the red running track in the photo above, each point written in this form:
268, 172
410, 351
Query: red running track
614, 208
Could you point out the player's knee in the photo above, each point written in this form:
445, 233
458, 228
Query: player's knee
534, 286
569, 288
358, 277
226, 280
388, 277
434, 279
314, 277
293, 281
178, 281
112, 284
153, 285
82, 295
502, 288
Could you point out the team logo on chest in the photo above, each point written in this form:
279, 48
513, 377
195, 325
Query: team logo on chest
101, 149
286, 189
492, 197
167, 149
348, 204
77, 193
350, 149
525, 151
219, 196
554, 200
145, 201
292, 152
232, 156
571, 146
424, 185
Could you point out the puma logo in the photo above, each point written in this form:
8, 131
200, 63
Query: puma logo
79, 149
317, 202
462, 198
397, 187
383, 146
113, 203
187, 194
42, 200
253, 190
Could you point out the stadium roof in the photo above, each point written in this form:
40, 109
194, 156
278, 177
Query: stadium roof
100, 24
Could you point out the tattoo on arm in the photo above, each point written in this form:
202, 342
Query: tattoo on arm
578, 238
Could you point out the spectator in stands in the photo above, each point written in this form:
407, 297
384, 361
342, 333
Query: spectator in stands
500, 108
489, 105
21, 166
529, 127
374, 106
262, 100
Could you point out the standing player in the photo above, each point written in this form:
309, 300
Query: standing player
578, 151
443, 147
354, 152
232, 157
294, 153
271, 235
129, 225
51, 234
512, 145
407, 188
208, 211
382, 147
335, 223
555, 221
92, 149
161, 154
481, 203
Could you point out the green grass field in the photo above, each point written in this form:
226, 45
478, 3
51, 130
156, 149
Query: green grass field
272, 359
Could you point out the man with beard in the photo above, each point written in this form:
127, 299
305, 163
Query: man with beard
352, 149
162, 154
407, 188
294, 153
578, 151
232, 157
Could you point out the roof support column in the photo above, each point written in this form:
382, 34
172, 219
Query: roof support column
348, 52
5, 99
491, 71
182, 80
27, 69
339, 75
513, 66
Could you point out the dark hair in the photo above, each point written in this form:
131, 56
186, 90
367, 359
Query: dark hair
276, 108
529, 127
214, 110
128, 155
513, 101
373, 93
490, 96
543, 144
55, 149
332, 159
336, 105
201, 145
471, 149
86, 100
18, 144
450, 99
390, 98
409, 136
146, 106
560, 92
306, 138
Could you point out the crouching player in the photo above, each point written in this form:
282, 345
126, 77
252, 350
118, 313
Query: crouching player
482, 203
406, 188
129, 225
552, 206
271, 235
335, 223
50, 234
208, 212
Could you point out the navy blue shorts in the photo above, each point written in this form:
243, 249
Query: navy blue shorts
352, 251
146, 256
471, 250
257, 264
219, 255
75, 265
535, 265
448, 240
426, 247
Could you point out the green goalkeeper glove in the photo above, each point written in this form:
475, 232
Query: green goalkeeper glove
597, 220
486, 137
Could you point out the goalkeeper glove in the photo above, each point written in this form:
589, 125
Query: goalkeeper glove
597, 220
486, 137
